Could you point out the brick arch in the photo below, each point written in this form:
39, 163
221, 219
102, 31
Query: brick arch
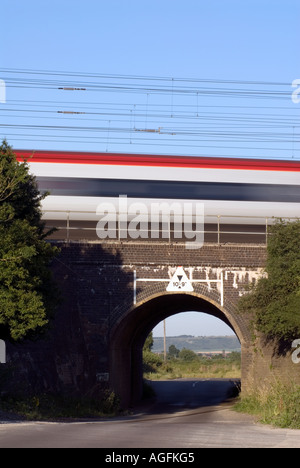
130, 330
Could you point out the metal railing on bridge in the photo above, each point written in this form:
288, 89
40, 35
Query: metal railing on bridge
76, 226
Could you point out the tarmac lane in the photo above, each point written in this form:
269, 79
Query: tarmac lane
183, 426
193, 393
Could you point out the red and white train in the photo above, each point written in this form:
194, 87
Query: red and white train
227, 187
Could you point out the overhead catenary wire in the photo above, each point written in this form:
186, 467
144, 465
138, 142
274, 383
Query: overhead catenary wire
139, 77
246, 116
135, 83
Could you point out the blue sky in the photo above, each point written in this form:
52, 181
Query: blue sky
193, 323
232, 39
240, 40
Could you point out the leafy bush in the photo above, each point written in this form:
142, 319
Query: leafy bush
187, 355
151, 361
274, 301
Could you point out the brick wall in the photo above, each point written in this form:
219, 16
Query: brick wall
96, 338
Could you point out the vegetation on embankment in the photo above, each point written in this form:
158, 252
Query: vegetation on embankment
51, 407
278, 405
274, 304
274, 301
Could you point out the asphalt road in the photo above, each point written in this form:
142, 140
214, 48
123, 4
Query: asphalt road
190, 393
169, 423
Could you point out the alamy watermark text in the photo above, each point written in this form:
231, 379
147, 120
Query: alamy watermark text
296, 92
123, 218
296, 353
2, 92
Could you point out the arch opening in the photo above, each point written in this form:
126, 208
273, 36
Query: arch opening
129, 335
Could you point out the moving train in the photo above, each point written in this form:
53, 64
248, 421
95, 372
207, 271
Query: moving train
228, 187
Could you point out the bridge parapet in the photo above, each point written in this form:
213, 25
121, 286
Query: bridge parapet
217, 229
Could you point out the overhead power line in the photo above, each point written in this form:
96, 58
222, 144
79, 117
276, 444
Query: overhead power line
134, 111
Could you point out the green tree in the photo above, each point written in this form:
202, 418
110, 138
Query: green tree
151, 361
274, 301
148, 345
187, 355
27, 291
173, 352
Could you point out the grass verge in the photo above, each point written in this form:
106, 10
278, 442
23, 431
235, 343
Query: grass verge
49, 407
217, 367
278, 405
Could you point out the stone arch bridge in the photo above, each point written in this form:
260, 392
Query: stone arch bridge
113, 294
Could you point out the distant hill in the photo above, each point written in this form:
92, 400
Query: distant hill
198, 343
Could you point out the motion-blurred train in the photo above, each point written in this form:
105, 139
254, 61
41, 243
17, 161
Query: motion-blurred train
77, 181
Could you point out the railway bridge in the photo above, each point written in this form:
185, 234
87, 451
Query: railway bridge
114, 293
117, 284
